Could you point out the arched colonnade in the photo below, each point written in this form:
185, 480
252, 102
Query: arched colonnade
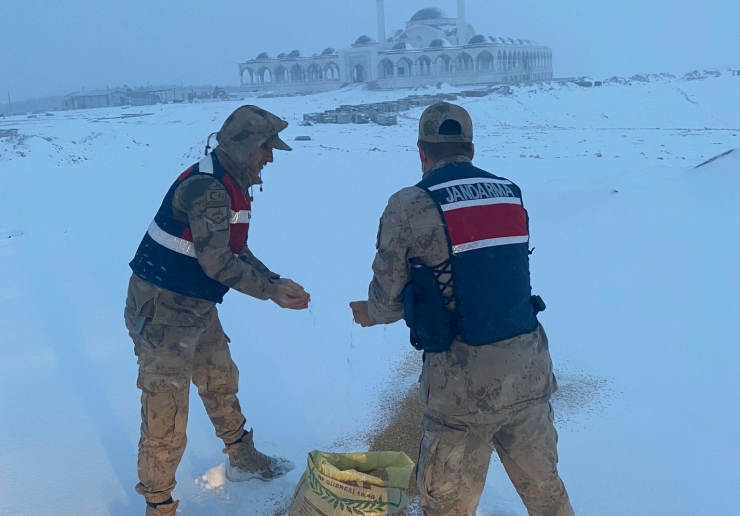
515, 64
279, 73
534, 65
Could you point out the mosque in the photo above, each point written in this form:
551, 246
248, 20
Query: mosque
433, 48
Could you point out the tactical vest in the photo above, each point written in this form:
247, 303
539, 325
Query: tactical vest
166, 256
487, 232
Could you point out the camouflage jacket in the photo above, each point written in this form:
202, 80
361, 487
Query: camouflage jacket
410, 228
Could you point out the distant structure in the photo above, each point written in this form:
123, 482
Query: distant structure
94, 99
118, 97
432, 48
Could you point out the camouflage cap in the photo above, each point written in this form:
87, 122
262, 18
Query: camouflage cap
248, 127
430, 124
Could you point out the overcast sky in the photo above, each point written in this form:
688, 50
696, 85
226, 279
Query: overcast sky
56, 47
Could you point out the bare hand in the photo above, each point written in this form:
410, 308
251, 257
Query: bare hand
359, 312
289, 294
290, 283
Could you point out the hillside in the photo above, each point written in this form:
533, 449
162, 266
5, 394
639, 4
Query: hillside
636, 256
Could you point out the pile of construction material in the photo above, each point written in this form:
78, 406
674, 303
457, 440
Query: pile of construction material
381, 113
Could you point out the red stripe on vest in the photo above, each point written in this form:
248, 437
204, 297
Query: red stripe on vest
185, 174
239, 202
476, 223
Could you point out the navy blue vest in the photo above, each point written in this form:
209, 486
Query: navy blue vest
488, 235
166, 256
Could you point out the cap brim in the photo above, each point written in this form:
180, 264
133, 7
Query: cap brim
276, 143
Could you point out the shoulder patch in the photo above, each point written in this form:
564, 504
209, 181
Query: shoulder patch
217, 195
216, 216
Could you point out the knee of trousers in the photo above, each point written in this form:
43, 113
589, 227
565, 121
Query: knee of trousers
164, 410
222, 380
214, 371
450, 478
171, 381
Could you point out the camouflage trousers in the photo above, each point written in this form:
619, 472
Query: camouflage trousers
181, 341
455, 455
486, 398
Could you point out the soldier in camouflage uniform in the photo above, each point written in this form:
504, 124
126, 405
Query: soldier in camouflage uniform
481, 396
192, 254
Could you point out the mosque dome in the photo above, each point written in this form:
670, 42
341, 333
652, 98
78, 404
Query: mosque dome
328, 51
263, 55
282, 55
439, 42
429, 13
402, 45
479, 39
295, 53
364, 40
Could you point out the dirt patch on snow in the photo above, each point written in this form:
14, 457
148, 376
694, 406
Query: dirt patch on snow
403, 433
580, 395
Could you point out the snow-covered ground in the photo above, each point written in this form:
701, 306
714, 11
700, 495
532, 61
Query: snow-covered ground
637, 256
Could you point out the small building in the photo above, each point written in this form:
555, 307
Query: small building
736, 72
95, 99
153, 96
127, 97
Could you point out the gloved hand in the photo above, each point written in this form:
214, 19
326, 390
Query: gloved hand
289, 294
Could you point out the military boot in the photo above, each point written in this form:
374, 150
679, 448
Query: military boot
168, 508
246, 463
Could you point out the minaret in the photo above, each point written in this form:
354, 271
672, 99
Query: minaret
381, 21
462, 26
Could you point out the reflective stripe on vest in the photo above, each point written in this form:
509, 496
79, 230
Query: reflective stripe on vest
205, 165
171, 242
240, 217
183, 246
